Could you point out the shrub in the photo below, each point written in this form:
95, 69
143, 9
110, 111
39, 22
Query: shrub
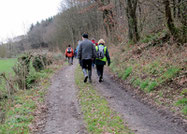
25, 75
38, 63
58, 56
3, 91
33, 77
21, 70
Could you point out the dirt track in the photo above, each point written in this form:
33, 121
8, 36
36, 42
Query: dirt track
63, 110
140, 117
64, 115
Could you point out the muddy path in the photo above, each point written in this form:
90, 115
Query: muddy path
64, 115
140, 117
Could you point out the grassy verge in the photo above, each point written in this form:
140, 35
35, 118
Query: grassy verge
97, 113
19, 111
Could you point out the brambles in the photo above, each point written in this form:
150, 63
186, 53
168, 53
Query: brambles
27, 62
40, 62
21, 70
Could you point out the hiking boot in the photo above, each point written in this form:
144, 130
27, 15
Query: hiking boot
90, 80
85, 79
100, 79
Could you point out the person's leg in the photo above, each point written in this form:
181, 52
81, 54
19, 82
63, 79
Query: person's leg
80, 63
89, 64
102, 70
72, 61
68, 60
84, 66
98, 70
92, 64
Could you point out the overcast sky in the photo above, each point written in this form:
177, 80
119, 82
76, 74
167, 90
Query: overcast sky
16, 16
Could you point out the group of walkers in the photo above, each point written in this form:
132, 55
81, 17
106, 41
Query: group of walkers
89, 53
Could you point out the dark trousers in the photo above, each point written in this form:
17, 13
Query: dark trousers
100, 69
87, 66
70, 60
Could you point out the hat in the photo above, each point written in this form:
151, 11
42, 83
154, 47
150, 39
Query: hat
85, 35
101, 41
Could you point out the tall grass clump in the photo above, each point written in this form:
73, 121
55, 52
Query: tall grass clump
126, 73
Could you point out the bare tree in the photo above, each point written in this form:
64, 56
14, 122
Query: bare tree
132, 20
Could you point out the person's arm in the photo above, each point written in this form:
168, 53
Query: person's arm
108, 57
80, 52
94, 52
72, 52
66, 52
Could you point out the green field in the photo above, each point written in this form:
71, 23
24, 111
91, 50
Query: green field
6, 65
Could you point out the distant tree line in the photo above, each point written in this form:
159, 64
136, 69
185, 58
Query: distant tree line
114, 20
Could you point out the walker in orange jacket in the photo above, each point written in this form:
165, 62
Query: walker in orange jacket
69, 54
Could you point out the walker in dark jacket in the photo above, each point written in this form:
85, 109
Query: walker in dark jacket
101, 62
86, 55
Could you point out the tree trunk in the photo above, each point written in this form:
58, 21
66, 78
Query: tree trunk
108, 20
179, 10
132, 20
108, 16
169, 19
174, 8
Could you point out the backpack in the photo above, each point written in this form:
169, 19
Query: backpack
69, 50
100, 52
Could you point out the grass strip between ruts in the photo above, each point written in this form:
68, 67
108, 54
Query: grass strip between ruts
99, 117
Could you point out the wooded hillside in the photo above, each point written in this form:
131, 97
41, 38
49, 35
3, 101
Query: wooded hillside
114, 20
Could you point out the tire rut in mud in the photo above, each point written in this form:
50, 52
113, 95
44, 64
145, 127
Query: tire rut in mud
140, 117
